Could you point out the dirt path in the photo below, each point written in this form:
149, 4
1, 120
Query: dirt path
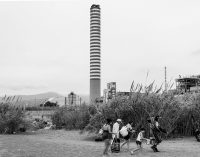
62, 143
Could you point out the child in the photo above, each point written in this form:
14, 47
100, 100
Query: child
139, 140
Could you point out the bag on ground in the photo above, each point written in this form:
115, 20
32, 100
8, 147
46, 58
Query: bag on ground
115, 147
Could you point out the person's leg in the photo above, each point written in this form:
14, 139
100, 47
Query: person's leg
156, 149
125, 141
104, 150
153, 148
139, 148
157, 140
107, 143
128, 144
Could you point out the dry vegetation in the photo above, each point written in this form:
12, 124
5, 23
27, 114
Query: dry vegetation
180, 114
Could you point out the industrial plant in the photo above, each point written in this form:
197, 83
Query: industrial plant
188, 84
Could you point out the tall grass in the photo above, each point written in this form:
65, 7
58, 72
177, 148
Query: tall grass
11, 117
71, 117
180, 114
180, 118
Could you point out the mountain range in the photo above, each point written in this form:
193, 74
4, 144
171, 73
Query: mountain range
37, 99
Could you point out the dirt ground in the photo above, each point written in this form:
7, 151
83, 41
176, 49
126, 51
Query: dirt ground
60, 143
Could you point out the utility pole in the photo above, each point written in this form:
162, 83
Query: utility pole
65, 101
72, 94
165, 78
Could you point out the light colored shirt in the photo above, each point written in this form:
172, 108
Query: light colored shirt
129, 127
116, 129
157, 124
106, 127
140, 137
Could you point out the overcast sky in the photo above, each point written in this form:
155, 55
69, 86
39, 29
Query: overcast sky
44, 46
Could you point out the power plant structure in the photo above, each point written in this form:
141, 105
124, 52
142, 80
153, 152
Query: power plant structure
188, 84
110, 92
95, 52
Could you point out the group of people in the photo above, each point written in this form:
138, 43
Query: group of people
111, 132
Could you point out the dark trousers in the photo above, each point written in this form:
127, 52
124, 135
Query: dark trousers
157, 137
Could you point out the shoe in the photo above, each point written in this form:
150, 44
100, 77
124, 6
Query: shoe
154, 148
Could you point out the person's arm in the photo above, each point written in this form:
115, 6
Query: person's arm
109, 130
102, 128
114, 128
157, 125
131, 129
160, 129
142, 137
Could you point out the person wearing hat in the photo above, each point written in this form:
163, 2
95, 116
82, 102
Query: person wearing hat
116, 127
115, 144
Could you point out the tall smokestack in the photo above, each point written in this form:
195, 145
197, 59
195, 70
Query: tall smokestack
95, 52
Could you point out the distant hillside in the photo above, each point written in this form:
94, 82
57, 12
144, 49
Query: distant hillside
37, 99
40, 96
32, 100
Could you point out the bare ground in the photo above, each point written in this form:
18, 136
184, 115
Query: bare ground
60, 143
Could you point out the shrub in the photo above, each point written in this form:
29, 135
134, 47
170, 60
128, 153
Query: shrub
71, 117
58, 117
11, 118
95, 123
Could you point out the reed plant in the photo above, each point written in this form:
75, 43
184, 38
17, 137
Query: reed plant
11, 116
180, 114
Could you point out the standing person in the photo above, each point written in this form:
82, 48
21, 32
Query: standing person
116, 127
130, 132
115, 144
155, 131
107, 136
139, 140
197, 135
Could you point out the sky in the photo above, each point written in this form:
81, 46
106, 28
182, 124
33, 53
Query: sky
44, 45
